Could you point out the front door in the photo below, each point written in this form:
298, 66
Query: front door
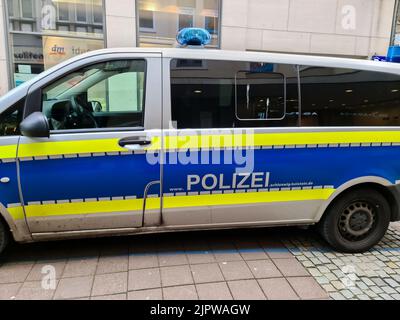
93, 172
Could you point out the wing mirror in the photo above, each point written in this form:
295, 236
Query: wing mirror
35, 125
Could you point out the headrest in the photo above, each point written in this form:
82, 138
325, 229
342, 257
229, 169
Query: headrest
60, 110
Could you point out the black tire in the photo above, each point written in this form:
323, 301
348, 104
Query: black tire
4, 236
356, 221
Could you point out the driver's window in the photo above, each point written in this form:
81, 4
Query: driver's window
104, 95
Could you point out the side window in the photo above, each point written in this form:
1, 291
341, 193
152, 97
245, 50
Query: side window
347, 97
11, 118
229, 94
254, 102
104, 95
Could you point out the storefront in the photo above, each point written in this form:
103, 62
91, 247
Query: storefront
43, 33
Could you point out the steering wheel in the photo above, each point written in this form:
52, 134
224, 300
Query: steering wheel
82, 117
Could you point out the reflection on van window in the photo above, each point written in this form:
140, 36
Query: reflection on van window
254, 101
105, 95
346, 97
203, 94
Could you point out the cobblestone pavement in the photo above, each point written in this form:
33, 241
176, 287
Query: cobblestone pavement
282, 263
372, 275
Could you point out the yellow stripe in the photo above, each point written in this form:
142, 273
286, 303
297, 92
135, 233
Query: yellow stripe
8, 152
68, 147
83, 208
205, 141
87, 208
17, 213
246, 198
280, 139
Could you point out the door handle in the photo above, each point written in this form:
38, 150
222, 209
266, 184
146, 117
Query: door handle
134, 141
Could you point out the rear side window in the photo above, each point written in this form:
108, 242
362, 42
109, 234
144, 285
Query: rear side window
346, 97
11, 119
260, 95
104, 95
229, 94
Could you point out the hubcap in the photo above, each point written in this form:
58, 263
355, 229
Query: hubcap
357, 221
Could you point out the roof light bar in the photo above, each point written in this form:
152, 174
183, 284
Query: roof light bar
193, 37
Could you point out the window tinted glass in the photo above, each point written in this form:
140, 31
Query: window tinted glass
254, 101
185, 21
27, 8
346, 97
105, 95
203, 94
10, 120
146, 19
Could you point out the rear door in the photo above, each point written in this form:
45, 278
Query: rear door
93, 172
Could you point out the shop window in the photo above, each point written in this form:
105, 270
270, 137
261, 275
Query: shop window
81, 29
81, 12
10, 8
146, 20
63, 11
63, 28
26, 27
185, 21
97, 14
211, 24
66, 29
27, 9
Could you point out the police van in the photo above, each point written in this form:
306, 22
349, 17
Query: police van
126, 141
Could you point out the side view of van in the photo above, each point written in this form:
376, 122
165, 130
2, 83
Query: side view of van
125, 141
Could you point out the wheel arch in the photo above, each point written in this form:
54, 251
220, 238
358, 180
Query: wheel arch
380, 184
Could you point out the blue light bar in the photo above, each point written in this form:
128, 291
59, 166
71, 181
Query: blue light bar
394, 54
193, 37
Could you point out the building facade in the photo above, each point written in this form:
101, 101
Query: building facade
38, 34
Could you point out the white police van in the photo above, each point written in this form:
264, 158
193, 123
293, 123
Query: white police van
125, 141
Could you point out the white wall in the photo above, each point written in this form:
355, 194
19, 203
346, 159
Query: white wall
3, 54
308, 26
120, 23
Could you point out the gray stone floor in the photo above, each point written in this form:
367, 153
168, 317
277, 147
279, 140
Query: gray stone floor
372, 275
282, 263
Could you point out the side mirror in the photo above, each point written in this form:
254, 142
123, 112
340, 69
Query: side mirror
35, 125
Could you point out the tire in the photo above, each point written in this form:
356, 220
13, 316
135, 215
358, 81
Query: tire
356, 221
4, 236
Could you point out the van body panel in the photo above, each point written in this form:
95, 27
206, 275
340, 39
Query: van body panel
82, 183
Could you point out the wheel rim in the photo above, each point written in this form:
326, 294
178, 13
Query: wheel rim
357, 220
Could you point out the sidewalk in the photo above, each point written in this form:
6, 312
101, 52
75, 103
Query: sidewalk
283, 263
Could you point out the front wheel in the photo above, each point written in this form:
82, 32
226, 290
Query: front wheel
356, 221
4, 236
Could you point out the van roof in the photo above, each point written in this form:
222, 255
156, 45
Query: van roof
254, 56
